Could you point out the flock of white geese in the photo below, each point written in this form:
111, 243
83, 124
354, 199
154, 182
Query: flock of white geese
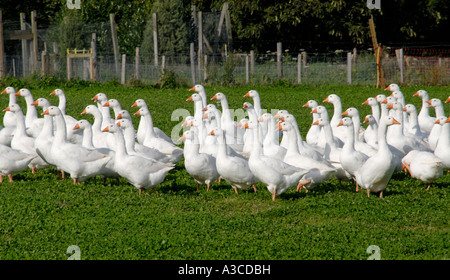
261, 147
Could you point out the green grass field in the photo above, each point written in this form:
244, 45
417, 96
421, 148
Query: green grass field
42, 215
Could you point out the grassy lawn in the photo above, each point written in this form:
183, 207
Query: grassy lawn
42, 215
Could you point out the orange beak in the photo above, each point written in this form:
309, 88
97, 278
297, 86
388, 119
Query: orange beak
192, 88
366, 120
35, 103
437, 121
214, 97
6, 109
325, 100
106, 129
205, 116
448, 100
260, 119
306, 104
211, 132
245, 106
118, 123
394, 121
238, 124
46, 112
340, 123
365, 102
77, 126
18, 93
388, 88
138, 113
416, 94
134, 104
282, 119
246, 125
84, 112
95, 98
276, 116
314, 110
316, 123
119, 116
189, 99
4, 91
247, 94
390, 106
447, 120
106, 104
53, 93
404, 108
384, 101
205, 109
345, 113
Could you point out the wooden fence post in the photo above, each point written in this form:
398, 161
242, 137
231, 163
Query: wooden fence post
25, 63
279, 60
304, 56
192, 55
115, 43
349, 68
44, 61
247, 76
399, 55
137, 60
155, 38
299, 68
69, 67
93, 60
252, 62
124, 68
200, 42
35, 42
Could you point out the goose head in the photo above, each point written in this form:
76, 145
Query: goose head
139, 103
380, 98
392, 87
395, 106
15, 108
332, 98
388, 100
251, 93
442, 120
9, 90
52, 111
346, 121
57, 92
209, 108
388, 120
197, 88
141, 112
216, 132
319, 109
82, 124
111, 128
90, 109
280, 114
218, 96
113, 103
189, 135
247, 106
421, 93
371, 101
23, 92
124, 123
265, 117
123, 114
195, 97
434, 102
242, 123
369, 119
311, 104
188, 121
321, 122
41, 102
100, 97
351, 112
409, 108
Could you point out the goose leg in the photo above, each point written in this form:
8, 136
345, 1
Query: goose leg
1, 178
10, 177
254, 188
274, 195
33, 169
381, 194
140, 192
207, 187
368, 193
198, 187
428, 187
301, 184
357, 187
235, 190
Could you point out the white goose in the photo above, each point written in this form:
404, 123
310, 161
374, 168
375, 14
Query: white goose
373, 103
351, 159
32, 122
271, 143
108, 171
43, 141
202, 167
101, 99
202, 93
443, 145
361, 146
375, 173
141, 172
414, 127
371, 131
277, 175
12, 161
318, 172
134, 148
74, 136
334, 99
323, 113
313, 133
80, 162
157, 143
436, 130
233, 169
234, 135
143, 125
115, 105
9, 119
256, 101
100, 139
21, 141
426, 122
424, 166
